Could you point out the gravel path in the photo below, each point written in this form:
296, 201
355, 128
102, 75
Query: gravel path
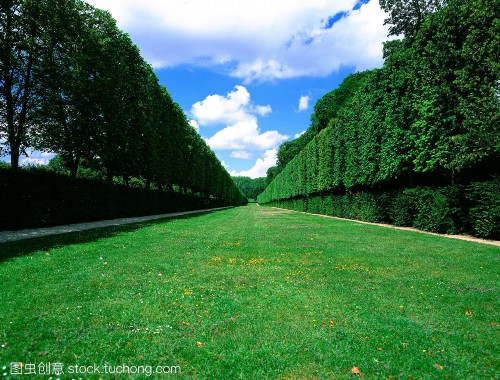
7, 236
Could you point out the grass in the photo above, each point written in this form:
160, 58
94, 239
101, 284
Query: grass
253, 293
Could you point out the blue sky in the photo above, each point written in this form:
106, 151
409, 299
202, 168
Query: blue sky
191, 85
248, 73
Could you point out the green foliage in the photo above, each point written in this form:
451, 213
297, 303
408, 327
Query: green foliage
57, 165
72, 83
430, 209
250, 187
425, 125
38, 198
403, 209
405, 17
485, 208
473, 209
325, 109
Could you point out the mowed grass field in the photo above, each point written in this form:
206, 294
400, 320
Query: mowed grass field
253, 293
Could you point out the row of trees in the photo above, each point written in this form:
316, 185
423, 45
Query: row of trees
251, 187
430, 116
72, 83
436, 96
325, 109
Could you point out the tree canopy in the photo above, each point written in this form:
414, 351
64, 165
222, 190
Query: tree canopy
429, 115
325, 109
251, 187
72, 83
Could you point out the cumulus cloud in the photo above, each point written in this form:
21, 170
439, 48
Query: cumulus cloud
245, 135
263, 110
268, 159
218, 109
242, 154
303, 103
258, 39
37, 158
236, 111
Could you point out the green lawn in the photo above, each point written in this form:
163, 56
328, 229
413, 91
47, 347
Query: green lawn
253, 293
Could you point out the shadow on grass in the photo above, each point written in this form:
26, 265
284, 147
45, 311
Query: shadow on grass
44, 243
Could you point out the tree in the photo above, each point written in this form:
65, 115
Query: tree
19, 57
477, 80
251, 187
124, 76
70, 83
406, 16
326, 108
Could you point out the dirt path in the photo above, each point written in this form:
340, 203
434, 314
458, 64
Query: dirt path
458, 237
7, 236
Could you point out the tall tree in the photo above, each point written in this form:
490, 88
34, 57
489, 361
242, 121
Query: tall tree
251, 187
19, 56
70, 91
124, 100
406, 16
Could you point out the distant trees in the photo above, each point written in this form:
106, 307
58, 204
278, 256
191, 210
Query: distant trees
72, 83
251, 187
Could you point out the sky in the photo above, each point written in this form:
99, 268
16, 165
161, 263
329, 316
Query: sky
248, 73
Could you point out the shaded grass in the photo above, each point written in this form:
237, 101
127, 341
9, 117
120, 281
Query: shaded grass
255, 293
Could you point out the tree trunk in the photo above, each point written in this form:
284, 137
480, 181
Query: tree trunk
14, 157
72, 163
74, 170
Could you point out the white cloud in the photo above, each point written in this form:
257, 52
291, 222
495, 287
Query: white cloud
303, 103
254, 40
268, 159
297, 135
263, 110
245, 135
37, 158
217, 109
236, 111
195, 125
33, 161
242, 154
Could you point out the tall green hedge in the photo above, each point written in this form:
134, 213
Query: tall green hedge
319, 180
416, 142
473, 209
31, 199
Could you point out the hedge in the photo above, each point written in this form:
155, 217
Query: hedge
30, 199
472, 209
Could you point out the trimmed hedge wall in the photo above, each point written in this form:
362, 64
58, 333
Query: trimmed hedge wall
30, 199
472, 209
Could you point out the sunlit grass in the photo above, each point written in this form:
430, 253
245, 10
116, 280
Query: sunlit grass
254, 293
